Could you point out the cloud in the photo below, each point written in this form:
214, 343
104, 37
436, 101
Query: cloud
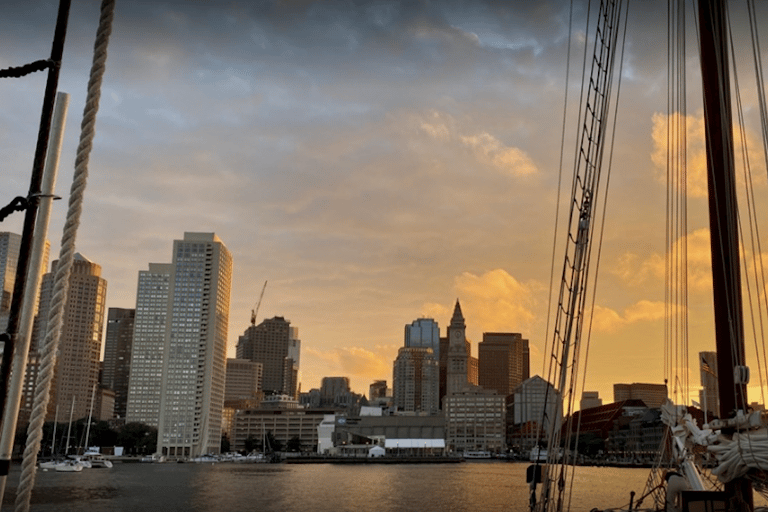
485, 147
490, 150
355, 362
497, 301
692, 128
608, 320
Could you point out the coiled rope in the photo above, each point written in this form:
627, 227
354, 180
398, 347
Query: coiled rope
66, 257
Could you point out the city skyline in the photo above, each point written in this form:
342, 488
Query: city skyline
372, 163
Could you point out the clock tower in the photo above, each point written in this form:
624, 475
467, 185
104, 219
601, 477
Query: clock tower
457, 362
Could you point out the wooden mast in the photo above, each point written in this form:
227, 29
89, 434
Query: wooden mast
723, 220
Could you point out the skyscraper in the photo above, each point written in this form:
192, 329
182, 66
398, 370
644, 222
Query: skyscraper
457, 358
117, 356
274, 344
502, 361
425, 333
148, 347
77, 366
178, 363
10, 243
195, 362
416, 383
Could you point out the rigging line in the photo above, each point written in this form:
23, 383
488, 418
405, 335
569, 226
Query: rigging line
26, 69
752, 217
559, 177
764, 124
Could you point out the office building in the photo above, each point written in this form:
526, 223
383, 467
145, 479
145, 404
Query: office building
416, 380
502, 361
178, 366
149, 344
194, 369
590, 399
475, 420
10, 243
423, 333
274, 344
652, 394
117, 356
76, 373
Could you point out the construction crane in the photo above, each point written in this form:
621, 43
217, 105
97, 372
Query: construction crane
255, 311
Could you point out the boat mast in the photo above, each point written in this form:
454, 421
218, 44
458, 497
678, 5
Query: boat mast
723, 221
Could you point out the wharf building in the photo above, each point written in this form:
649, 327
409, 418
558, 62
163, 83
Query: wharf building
76, 373
178, 365
503, 361
533, 409
285, 424
652, 394
276, 345
398, 435
117, 356
475, 419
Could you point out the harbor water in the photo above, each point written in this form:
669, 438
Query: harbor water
487, 486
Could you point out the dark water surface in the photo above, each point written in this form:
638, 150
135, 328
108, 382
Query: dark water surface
487, 486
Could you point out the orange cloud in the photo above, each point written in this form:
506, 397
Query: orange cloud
607, 320
696, 159
490, 150
497, 301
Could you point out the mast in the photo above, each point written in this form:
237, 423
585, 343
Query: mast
723, 221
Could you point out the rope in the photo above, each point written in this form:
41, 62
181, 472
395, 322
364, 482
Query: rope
26, 69
66, 257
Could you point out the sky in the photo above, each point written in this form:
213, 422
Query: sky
373, 161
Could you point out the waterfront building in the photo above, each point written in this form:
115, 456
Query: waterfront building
652, 394
423, 333
76, 373
709, 397
284, 424
178, 363
149, 342
276, 345
590, 399
416, 380
117, 356
194, 369
502, 361
533, 408
399, 435
475, 420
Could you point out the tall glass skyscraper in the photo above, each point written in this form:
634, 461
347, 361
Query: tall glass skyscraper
191, 368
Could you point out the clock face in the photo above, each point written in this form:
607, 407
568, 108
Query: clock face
457, 334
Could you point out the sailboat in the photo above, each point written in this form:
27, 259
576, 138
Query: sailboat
738, 442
